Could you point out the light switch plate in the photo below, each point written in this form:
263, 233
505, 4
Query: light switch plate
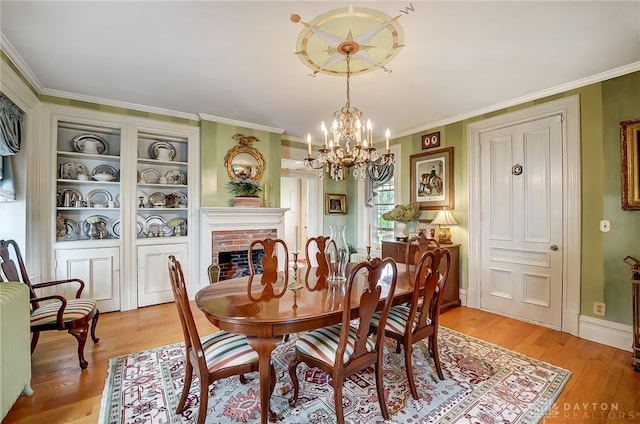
605, 225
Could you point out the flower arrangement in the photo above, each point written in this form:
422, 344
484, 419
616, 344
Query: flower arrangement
93, 219
244, 187
403, 213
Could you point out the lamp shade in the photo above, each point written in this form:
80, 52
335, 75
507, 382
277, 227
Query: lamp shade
444, 217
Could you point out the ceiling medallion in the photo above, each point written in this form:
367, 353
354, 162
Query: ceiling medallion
375, 36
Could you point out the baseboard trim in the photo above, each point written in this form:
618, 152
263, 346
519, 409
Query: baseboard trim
606, 332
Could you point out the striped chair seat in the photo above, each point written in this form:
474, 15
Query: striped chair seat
76, 309
223, 350
323, 343
397, 319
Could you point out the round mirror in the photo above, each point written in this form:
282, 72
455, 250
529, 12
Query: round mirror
244, 162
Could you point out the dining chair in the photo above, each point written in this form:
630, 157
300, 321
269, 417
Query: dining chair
272, 271
422, 244
57, 313
214, 273
346, 348
213, 357
408, 324
317, 245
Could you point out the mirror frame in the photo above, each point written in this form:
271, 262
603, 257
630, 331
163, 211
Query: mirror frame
629, 160
232, 153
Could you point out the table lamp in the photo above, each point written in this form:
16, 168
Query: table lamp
443, 219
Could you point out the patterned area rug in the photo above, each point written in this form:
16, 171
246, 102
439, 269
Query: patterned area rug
484, 383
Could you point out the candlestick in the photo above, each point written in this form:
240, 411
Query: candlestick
368, 253
387, 134
295, 284
323, 128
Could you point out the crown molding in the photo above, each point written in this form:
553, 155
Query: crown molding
205, 117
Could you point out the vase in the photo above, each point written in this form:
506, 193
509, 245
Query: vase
246, 201
337, 253
400, 227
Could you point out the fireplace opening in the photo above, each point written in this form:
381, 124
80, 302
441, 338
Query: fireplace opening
235, 263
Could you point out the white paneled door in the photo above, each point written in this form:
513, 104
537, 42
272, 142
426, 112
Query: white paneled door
521, 220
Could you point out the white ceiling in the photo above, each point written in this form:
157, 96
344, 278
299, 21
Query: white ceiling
235, 59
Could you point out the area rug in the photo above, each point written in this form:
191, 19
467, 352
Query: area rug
484, 383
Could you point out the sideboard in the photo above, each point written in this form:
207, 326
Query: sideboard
397, 251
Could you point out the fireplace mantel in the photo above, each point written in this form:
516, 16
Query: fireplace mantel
235, 219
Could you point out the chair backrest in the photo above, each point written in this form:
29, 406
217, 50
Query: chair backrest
189, 329
381, 278
423, 244
214, 273
318, 245
429, 287
271, 271
9, 255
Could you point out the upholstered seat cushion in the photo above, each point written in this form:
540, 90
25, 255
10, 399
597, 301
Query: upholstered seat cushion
76, 309
397, 319
323, 343
223, 350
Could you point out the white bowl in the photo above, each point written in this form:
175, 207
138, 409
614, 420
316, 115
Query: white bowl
103, 177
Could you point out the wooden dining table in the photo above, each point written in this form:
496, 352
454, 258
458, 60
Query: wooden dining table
266, 313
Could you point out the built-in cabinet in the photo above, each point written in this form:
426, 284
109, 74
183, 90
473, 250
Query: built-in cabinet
125, 199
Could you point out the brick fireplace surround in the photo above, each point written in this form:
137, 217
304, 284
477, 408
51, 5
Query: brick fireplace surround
231, 229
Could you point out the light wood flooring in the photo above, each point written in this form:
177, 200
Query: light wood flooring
603, 388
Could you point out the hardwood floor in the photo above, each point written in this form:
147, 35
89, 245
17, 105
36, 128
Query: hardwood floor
603, 388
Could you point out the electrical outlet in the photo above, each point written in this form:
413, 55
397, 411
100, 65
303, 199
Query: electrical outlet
599, 308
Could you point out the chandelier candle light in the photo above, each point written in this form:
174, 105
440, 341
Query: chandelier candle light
347, 147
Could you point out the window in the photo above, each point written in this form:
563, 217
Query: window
382, 203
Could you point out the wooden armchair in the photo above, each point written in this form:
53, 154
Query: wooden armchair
216, 356
343, 349
423, 244
408, 324
318, 245
72, 315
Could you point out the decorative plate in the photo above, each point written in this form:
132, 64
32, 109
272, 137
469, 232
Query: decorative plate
150, 176
106, 169
84, 142
70, 170
158, 199
155, 148
177, 200
154, 224
114, 227
175, 176
72, 194
102, 223
99, 197
71, 228
141, 223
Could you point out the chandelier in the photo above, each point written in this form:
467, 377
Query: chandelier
349, 145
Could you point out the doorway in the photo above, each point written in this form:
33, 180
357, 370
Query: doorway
501, 276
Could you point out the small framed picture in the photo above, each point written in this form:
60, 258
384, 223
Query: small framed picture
335, 203
431, 140
425, 228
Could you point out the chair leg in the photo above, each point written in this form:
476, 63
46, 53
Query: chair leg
380, 388
409, 367
94, 322
81, 336
188, 378
337, 401
293, 374
243, 379
34, 340
204, 398
433, 342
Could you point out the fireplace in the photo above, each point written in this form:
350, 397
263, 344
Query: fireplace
230, 250
233, 229
235, 263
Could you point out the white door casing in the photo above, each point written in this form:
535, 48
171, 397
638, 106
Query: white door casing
521, 220
569, 109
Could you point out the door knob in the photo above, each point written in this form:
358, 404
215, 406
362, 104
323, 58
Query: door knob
554, 247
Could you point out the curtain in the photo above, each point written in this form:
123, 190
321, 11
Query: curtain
11, 118
377, 174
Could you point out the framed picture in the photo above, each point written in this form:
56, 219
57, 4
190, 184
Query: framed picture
335, 203
629, 162
431, 184
431, 140
424, 227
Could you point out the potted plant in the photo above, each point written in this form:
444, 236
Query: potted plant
246, 191
402, 214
